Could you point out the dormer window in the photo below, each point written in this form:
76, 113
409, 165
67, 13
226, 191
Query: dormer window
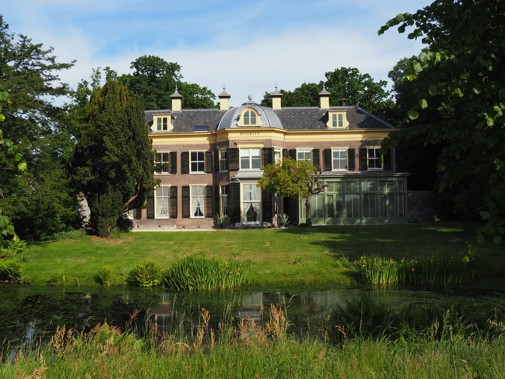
249, 117
162, 123
337, 120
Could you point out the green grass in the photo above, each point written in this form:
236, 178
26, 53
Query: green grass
293, 256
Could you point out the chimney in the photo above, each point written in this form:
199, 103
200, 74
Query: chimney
324, 99
224, 100
276, 99
176, 101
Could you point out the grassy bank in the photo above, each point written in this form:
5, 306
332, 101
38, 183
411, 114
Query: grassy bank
267, 257
250, 351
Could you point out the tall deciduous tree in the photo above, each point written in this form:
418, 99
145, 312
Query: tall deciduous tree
40, 202
460, 76
346, 84
113, 161
293, 179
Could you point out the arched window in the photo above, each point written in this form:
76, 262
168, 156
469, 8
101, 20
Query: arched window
250, 117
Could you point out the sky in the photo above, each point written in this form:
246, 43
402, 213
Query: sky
248, 47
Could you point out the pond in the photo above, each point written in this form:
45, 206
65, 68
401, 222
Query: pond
29, 314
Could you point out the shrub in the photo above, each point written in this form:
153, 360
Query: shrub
10, 271
197, 274
103, 277
145, 274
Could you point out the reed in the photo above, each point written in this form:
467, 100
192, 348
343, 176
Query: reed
202, 274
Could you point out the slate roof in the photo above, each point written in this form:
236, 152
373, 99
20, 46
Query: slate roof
296, 118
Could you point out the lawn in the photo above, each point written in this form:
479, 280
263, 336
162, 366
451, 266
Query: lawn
292, 256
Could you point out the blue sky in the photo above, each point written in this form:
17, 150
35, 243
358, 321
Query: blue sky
247, 46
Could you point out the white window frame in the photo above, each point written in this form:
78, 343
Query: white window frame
162, 124
223, 200
301, 154
197, 200
161, 162
223, 160
373, 156
246, 203
339, 159
248, 155
162, 202
277, 155
197, 161
250, 117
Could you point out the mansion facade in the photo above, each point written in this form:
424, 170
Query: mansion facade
209, 162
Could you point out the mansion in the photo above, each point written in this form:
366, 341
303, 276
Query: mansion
209, 162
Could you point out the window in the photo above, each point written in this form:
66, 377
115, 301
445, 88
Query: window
339, 159
197, 162
304, 154
250, 117
224, 200
197, 202
162, 163
162, 202
374, 158
250, 159
223, 160
251, 197
337, 120
277, 155
162, 123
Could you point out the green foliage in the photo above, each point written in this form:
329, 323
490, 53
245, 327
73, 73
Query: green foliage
293, 179
455, 99
442, 270
145, 274
202, 274
104, 276
10, 271
37, 136
113, 161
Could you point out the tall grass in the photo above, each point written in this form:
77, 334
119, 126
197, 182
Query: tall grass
426, 271
200, 274
250, 350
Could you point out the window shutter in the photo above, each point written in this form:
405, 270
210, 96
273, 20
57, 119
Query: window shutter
292, 153
173, 162
150, 203
234, 202
208, 162
233, 159
363, 163
327, 158
185, 162
266, 206
185, 202
351, 159
209, 197
316, 160
284, 153
173, 202
388, 160
268, 156
216, 160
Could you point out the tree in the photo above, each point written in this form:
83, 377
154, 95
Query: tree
293, 179
113, 161
460, 77
346, 84
157, 79
40, 202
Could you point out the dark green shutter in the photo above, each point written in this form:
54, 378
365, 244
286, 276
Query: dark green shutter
316, 160
327, 158
185, 162
234, 202
233, 159
150, 203
266, 206
388, 160
208, 162
292, 153
351, 159
209, 197
363, 161
173, 162
173, 202
185, 202
284, 153
268, 156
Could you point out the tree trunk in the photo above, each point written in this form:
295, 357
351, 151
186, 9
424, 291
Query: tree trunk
308, 210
